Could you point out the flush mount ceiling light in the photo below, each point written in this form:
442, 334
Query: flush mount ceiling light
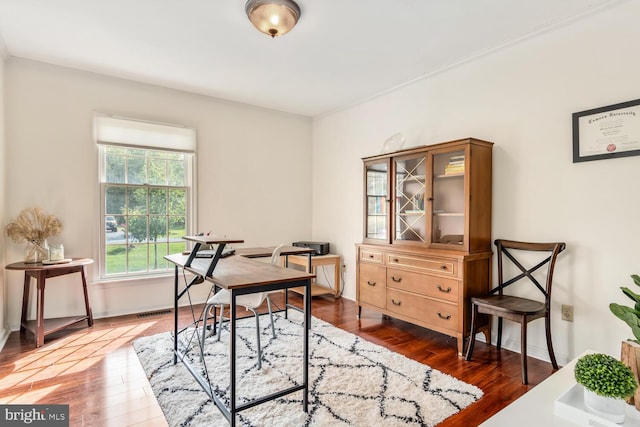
273, 17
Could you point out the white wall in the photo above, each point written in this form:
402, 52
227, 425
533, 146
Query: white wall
521, 98
4, 328
253, 173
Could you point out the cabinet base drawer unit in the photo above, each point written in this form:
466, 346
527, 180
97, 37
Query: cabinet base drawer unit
442, 316
371, 256
371, 285
429, 288
427, 265
424, 284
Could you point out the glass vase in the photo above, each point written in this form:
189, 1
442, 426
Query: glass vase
36, 251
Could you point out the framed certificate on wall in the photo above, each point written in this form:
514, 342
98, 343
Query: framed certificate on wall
607, 132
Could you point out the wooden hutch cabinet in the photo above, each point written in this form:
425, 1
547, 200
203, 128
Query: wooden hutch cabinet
427, 234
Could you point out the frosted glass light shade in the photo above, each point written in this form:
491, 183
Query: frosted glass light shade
273, 17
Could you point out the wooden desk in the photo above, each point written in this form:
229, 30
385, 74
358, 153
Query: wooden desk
240, 275
317, 260
41, 326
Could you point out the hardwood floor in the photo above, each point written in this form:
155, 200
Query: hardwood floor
96, 371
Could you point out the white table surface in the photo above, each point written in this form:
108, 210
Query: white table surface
536, 407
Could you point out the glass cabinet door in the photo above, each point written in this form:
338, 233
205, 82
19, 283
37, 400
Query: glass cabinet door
448, 198
409, 190
376, 203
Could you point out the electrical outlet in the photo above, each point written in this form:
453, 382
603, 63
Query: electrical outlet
567, 312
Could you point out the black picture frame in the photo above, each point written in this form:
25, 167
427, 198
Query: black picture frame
607, 132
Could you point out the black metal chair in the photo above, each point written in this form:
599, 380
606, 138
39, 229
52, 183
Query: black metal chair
517, 309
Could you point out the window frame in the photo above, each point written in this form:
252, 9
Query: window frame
190, 207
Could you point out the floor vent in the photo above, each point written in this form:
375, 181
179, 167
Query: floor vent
153, 313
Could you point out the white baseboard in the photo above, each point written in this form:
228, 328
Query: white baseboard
12, 327
4, 336
540, 353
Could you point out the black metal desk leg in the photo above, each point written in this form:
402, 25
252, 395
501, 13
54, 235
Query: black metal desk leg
175, 316
232, 349
308, 292
286, 290
307, 326
215, 259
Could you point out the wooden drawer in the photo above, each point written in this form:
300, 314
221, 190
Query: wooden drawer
442, 315
372, 288
423, 284
371, 256
441, 266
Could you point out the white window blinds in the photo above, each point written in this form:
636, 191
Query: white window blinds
111, 130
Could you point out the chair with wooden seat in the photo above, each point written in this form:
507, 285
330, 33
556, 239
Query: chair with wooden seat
250, 301
518, 309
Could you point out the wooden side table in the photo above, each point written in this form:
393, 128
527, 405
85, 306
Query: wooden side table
317, 260
41, 326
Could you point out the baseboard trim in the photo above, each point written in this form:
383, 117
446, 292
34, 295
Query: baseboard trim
540, 353
4, 336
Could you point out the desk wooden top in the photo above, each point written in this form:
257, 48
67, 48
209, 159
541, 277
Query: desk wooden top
319, 257
240, 272
267, 251
211, 240
36, 266
236, 271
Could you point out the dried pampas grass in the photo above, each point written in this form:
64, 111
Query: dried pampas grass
33, 225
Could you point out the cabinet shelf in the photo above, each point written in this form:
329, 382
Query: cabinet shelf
451, 175
460, 214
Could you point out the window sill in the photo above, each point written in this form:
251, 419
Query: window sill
123, 281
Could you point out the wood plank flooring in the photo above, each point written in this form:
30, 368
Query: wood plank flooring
96, 371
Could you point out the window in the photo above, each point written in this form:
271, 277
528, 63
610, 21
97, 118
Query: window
146, 205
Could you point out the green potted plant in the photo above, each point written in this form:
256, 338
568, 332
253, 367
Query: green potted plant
630, 353
630, 315
607, 382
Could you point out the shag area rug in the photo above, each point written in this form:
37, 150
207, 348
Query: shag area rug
352, 382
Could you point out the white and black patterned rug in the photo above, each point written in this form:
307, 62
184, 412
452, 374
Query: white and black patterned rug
352, 382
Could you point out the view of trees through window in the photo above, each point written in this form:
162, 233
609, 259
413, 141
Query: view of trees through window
145, 208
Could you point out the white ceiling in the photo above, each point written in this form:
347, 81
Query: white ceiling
341, 52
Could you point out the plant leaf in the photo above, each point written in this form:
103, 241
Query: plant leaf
628, 315
628, 292
622, 312
636, 279
636, 333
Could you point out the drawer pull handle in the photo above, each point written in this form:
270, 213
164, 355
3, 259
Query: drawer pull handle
447, 317
444, 290
394, 302
370, 256
398, 280
371, 283
396, 260
443, 267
